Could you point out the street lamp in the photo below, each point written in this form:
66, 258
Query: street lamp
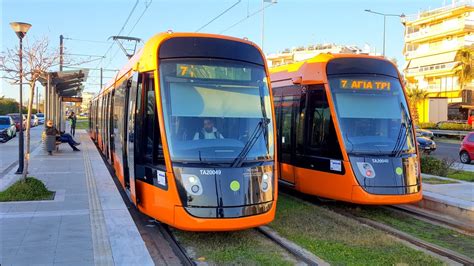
384, 18
20, 29
263, 16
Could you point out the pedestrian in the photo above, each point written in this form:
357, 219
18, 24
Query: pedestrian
63, 137
73, 119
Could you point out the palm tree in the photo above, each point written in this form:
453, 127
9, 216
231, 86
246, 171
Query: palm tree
465, 67
415, 97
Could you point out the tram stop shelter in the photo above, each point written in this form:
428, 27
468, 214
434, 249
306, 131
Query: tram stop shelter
62, 87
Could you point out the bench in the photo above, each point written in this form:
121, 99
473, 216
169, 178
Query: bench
52, 144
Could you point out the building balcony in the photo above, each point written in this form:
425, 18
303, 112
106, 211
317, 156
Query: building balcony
440, 13
439, 31
431, 69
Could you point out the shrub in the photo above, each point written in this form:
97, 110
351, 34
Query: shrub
433, 166
23, 190
455, 126
427, 125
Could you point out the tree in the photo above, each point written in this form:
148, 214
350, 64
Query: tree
415, 97
465, 67
39, 59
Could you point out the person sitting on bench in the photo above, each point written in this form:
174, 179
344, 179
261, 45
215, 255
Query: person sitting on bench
61, 136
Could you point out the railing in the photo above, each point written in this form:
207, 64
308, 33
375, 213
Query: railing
414, 17
438, 29
432, 67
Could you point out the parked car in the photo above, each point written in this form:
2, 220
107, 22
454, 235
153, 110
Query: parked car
425, 145
424, 132
40, 118
466, 152
34, 120
16, 118
7, 128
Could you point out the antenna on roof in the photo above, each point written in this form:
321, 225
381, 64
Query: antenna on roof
120, 41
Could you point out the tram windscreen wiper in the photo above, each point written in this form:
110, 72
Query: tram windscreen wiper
402, 134
261, 128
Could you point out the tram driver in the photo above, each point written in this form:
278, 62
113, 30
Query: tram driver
208, 131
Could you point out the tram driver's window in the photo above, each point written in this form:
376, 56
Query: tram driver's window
153, 151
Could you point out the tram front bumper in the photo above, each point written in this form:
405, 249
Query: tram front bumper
184, 221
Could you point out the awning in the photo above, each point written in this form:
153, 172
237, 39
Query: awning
67, 83
433, 60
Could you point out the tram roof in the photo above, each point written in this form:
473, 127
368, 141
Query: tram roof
311, 70
145, 59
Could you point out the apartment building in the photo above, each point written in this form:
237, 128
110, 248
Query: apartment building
433, 40
301, 53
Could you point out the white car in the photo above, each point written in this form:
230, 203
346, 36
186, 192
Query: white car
34, 120
40, 118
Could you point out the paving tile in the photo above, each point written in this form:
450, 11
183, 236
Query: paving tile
36, 254
23, 207
74, 251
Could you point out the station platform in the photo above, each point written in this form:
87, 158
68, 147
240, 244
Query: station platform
87, 223
454, 200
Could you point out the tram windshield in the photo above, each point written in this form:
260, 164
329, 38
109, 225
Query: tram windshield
373, 114
212, 108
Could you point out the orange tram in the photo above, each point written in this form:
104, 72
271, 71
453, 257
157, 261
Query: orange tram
188, 127
345, 131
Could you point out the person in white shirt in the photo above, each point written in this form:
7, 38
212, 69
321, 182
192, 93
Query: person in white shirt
208, 131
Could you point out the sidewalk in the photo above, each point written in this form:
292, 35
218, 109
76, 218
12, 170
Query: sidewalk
87, 223
455, 200
464, 167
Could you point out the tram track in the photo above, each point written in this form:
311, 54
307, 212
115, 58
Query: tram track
432, 218
444, 252
295, 250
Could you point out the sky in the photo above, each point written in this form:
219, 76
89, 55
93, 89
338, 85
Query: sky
87, 25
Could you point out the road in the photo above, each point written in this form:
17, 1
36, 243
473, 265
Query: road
448, 151
9, 149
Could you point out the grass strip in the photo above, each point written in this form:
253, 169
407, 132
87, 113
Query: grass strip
82, 123
437, 181
461, 175
25, 190
438, 235
340, 240
246, 247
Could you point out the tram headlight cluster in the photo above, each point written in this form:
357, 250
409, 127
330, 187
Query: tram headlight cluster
192, 184
266, 182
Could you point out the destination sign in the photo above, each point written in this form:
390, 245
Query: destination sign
213, 72
364, 84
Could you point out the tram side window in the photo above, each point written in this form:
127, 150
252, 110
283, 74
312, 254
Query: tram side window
300, 124
286, 114
321, 139
152, 138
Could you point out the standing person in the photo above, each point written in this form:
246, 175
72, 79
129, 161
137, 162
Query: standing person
73, 118
52, 131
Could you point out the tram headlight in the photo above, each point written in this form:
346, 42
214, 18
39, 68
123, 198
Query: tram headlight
266, 182
192, 184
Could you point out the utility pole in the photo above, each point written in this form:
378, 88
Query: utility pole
101, 71
37, 102
61, 52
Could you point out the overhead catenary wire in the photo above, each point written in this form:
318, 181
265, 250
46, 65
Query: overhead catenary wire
121, 29
82, 40
247, 17
218, 16
147, 5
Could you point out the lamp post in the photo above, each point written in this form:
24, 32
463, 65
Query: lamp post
20, 29
384, 19
263, 16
